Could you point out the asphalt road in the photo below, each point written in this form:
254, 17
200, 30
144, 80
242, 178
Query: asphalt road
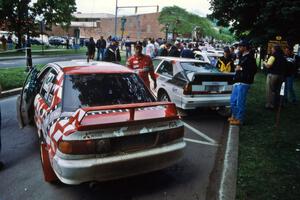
188, 180
22, 62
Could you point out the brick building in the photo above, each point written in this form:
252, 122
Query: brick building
94, 25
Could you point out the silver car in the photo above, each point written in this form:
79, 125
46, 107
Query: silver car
191, 83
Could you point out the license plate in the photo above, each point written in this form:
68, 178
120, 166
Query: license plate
214, 88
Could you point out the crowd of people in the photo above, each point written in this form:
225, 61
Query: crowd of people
238, 59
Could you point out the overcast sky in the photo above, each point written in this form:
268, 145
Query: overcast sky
200, 7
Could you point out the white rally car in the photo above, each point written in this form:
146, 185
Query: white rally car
191, 83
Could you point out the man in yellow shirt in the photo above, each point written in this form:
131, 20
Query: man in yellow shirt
225, 63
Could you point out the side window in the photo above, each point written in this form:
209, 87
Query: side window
156, 62
200, 57
166, 68
47, 90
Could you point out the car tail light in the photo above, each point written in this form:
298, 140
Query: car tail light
170, 135
187, 89
85, 147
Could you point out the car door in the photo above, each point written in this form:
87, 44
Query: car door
45, 98
165, 72
25, 100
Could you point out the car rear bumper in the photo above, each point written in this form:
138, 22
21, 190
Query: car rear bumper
205, 101
114, 167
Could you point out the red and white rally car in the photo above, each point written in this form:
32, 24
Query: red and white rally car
98, 121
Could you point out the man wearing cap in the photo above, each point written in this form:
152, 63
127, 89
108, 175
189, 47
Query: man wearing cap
243, 78
225, 63
112, 53
142, 65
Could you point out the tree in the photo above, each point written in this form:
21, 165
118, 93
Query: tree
182, 22
259, 20
22, 16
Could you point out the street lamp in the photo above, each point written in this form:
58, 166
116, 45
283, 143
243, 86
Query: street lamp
167, 29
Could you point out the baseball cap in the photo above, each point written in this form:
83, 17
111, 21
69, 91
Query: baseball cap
244, 43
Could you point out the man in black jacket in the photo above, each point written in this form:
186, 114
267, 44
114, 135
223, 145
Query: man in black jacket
101, 46
112, 53
243, 78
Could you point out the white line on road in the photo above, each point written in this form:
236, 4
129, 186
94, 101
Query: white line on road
200, 142
199, 133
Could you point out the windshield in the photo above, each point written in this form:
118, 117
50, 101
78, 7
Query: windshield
190, 68
86, 90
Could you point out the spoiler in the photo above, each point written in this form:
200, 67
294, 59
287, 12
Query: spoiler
125, 114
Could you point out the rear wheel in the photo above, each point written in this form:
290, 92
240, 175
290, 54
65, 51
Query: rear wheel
224, 111
163, 96
48, 172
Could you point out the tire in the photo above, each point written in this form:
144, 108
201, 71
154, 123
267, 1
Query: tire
163, 96
224, 111
48, 172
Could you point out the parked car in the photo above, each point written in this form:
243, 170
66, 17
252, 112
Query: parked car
98, 121
57, 41
211, 58
191, 83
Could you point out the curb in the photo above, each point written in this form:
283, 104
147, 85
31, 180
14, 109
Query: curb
10, 92
227, 189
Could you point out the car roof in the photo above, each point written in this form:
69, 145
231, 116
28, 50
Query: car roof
84, 67
177, 59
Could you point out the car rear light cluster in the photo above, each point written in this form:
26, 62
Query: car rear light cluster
85, 147
188, 90
120, 144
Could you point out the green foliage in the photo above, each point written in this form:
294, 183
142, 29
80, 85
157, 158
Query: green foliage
269, 158
22, 16
259, 20
182, 22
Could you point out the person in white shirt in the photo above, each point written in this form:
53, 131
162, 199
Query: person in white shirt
150, 49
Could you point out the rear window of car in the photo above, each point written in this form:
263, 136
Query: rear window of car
86, 90
190, 68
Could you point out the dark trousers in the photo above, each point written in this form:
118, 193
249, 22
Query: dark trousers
273, 87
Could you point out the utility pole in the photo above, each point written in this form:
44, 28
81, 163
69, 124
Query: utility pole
116, 18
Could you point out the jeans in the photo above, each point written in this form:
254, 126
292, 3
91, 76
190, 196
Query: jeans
238, 100
100, 52
128, 52
289, 89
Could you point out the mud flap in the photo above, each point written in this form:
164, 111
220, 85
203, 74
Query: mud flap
48, 172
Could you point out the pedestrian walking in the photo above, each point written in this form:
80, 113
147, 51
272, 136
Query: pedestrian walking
112, 53
128, 47
276, 69
225, 63
291, 72
4, 42
91, 49
243, 78
101, 46
142, 65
